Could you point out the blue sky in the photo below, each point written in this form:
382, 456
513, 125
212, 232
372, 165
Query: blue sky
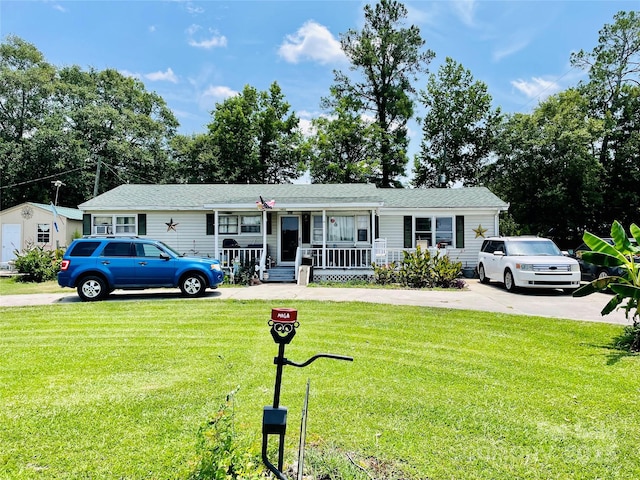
195, 54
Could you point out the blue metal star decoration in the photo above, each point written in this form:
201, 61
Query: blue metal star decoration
171, 226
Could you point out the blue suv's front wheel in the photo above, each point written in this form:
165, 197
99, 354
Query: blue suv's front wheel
92, 288
193, 285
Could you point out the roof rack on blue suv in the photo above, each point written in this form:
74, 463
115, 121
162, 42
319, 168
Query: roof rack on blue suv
96, 266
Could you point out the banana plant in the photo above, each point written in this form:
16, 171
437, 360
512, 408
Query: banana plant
624, 254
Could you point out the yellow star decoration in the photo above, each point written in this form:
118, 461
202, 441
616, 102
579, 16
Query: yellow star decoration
479, 231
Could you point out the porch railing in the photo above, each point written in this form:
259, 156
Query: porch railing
230, 256
353, 257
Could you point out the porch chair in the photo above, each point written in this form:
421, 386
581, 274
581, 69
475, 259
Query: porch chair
380, 251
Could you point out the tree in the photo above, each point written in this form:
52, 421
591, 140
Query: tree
254, 138
343, 147
613, 89
122, 129
388, 57
458, 128
26, 84
546, 167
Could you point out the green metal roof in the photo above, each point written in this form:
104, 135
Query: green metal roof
70, 213
191, 196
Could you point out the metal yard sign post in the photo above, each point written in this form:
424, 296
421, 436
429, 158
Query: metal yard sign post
283, 323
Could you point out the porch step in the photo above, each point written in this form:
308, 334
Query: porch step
282, 274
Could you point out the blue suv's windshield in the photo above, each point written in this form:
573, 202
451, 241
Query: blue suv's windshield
167, 247
532, 248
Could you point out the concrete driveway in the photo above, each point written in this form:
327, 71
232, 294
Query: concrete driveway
490, 298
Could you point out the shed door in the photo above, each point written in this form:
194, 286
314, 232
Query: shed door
10, 241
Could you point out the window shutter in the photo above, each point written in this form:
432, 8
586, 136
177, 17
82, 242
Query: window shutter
269, 222
86, 224
459, 231
211, 224
408, 231
142, 224
306, 228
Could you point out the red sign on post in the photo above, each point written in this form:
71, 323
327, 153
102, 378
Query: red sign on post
284, 315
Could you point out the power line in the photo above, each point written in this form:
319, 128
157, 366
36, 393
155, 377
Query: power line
42, 178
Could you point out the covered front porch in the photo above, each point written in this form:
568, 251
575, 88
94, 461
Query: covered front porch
285, 237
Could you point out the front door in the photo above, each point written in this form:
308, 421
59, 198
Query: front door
289, 238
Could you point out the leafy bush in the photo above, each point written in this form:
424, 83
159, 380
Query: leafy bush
220, 457
623, 254
420, 269
37, 264
385, 274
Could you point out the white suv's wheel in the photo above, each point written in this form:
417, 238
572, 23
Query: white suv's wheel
482, 275
509, 284
193, 285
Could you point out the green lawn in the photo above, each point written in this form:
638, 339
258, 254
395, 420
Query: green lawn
121, 389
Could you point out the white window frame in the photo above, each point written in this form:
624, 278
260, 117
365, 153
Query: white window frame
251, 224
42, 232
123, 225
435, 234
226, 226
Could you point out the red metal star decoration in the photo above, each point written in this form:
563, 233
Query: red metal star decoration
171, 226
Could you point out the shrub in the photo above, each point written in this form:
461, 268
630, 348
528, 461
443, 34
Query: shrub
220, 457
626, 288
37, 264
385, 274
420, 269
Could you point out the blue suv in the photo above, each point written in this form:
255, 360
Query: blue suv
98, 265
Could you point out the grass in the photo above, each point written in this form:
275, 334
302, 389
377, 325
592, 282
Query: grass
121, 389
12, 286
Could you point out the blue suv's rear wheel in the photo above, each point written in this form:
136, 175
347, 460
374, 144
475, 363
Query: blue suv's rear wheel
193, 285
92, 288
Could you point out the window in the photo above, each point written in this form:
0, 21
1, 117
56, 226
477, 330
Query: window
444, 230
250, 224
126, 225
84, 249
228, 224
362, 221
44, 230
103, 225
117, 249
147, 250
340, 229
423, 231
317, 230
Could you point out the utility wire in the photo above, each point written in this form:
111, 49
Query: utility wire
42, 178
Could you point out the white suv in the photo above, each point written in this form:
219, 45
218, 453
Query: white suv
530, 262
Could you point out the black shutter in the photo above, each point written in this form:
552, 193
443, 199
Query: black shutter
269, 222
459, 231
306, 228
86, 224
211, 224
408, 232
142, 224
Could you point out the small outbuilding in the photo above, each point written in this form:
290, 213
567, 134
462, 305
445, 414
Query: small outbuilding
36, 224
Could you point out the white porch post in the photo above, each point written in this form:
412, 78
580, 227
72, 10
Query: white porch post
324, 238
215, 235
374, 234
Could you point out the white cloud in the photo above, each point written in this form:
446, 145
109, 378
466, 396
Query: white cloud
192, 9
219, 92
537, 87
514, 47
167, 76
215, 40
314, 42
127, 73
465, 10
